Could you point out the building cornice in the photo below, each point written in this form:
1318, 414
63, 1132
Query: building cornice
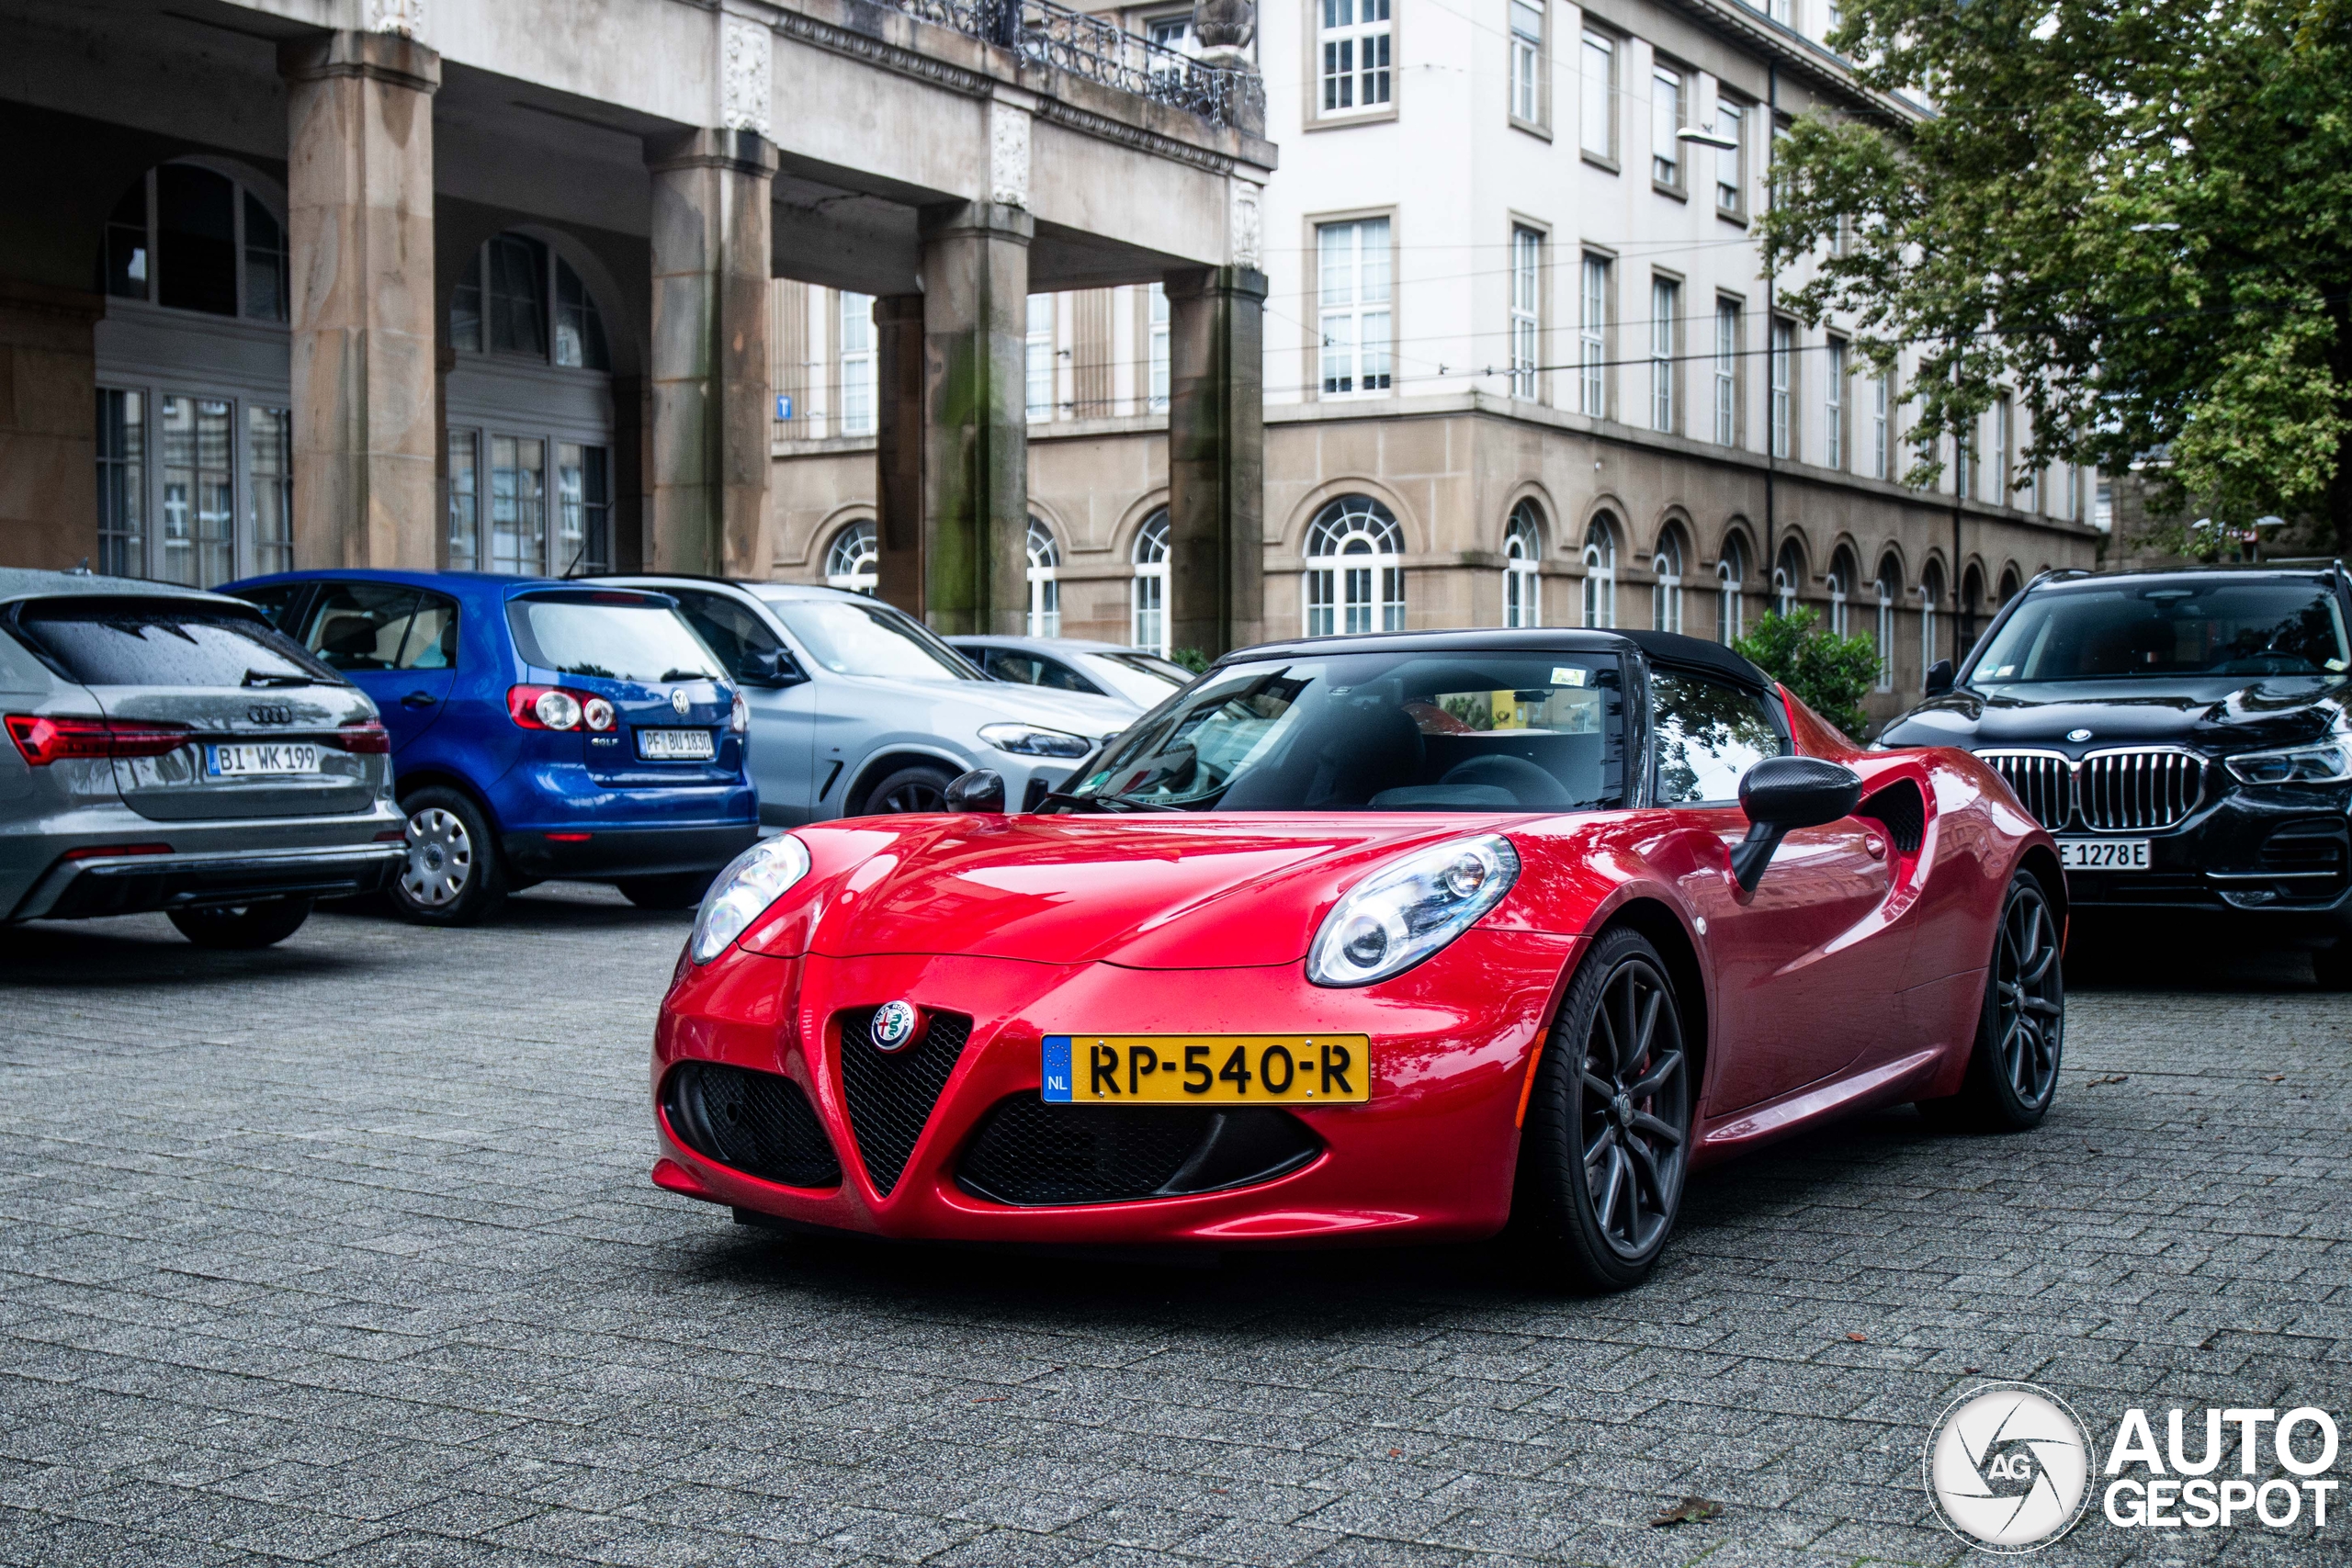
1793, 51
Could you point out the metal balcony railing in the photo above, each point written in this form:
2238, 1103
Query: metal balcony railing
1102, 51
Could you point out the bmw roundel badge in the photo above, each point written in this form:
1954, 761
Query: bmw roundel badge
893, 1028
2078, 736
678, 701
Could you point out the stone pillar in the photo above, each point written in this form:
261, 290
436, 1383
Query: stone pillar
897, 450
359, 209
708, 376
1217, 458
976, 418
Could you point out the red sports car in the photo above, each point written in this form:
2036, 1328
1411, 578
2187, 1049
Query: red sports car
1401, 936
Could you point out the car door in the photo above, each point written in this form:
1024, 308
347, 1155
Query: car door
783, 741
1802, 988
396, 642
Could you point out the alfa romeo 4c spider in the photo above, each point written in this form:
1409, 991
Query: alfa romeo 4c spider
1411, 936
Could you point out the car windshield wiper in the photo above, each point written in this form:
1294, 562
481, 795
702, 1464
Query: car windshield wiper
265, 678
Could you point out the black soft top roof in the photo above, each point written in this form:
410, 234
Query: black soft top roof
1662, 648
1673, 647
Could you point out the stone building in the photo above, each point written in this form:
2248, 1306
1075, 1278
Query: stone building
486, 282
1521, 364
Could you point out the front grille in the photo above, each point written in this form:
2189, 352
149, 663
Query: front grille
891, 1095
1034, 1155
758, 1123
2132, 791
2044, 783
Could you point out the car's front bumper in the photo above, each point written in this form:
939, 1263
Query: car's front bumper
2281, 857
1432, 1154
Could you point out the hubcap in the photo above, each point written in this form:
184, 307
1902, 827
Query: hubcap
440, 858
1634, 1120
2029, 998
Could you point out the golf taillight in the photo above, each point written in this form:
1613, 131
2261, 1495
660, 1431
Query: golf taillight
43, 738
552, 708
365, 737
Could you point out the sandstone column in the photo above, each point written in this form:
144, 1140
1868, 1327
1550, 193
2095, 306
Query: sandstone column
897, 450
1217, 458
709, 364
359, 200
976, 419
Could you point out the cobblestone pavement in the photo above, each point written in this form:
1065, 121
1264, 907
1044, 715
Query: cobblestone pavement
344, 1252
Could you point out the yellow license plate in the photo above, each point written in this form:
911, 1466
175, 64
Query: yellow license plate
1207, 1069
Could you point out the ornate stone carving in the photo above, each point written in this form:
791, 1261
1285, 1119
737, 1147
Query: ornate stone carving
1245, 235
1225, 24
405, 18
1008, 155
746, 59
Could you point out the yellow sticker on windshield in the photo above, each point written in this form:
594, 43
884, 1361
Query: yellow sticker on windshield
1563, 675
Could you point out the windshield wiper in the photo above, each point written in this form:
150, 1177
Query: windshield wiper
263, 678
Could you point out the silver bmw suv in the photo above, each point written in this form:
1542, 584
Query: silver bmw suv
171, 749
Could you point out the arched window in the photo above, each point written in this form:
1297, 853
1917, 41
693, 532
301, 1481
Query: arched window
529, 401
2009, 586
1731, 579
1841, 590
1889, 587
195, 473
1045, 590
1147, 614
1665, 593
1600, 572
1355, 575
1788, 578
1972, 599
1522, 566
1931, 593
853, 559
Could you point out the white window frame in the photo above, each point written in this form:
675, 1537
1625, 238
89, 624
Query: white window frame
1148, 594
853, 329
1529, 28
1358, 320
1788, 580
1731, 162
1345, 589
854, 560
2004, 411
1597, 65
1731, 587
1728, 327
1666, 306
1881, 449
1156, 324
1882, 632
1600, 574
1780, 368
1042, 573
1838, 595
1038, 364
1832, 402
1669, 96
1526, 312
1354, 58
1592, 335
1930, 591
1524, 567
1666, 591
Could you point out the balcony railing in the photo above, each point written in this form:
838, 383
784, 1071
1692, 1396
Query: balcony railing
1102, 51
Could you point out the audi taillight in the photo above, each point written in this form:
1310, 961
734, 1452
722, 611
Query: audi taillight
364, 738
43, 738
552, 708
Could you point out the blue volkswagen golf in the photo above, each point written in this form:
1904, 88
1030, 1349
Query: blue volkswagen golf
539, 729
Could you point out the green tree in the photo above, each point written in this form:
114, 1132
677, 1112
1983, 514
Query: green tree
1827, 672
2139, 212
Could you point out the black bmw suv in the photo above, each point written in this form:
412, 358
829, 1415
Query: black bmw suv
2183, 734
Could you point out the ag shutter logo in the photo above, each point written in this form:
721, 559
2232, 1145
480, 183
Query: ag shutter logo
2008, 1466
893, 1028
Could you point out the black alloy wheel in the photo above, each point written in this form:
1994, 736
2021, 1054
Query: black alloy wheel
908, 789
1608, 1135
2022, 1031
243, 927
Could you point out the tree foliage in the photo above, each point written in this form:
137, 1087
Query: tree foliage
1827, 672
2137, 211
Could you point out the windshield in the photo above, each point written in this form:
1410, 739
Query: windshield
140, 642
2217, 627
620, 636
1139, 677
1378, 732
869, 639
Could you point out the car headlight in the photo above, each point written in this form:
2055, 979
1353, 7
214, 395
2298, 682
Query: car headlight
753, 880
1408, 909
2325, 763
1029, 740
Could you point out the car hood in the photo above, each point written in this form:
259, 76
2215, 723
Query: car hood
995, 702
1179, 892
2213, 714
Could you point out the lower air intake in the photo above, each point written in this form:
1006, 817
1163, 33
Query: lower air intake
891, 1093
758, 1123
1032, 1155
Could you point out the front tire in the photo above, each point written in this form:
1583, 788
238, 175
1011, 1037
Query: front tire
683, 890
2021, 1028
1608, 1121
240, 928
917, 788
452, 875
